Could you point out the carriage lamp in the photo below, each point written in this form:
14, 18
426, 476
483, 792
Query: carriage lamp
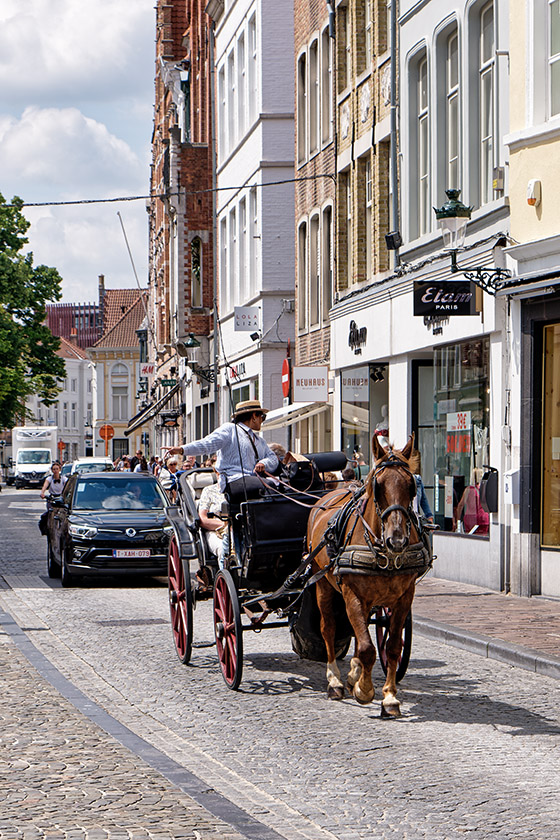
453, 218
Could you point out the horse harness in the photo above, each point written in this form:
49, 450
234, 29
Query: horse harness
373, 557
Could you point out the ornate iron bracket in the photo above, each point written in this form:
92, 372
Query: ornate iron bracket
487, 279
209, 374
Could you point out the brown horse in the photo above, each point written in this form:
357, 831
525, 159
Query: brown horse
374, 553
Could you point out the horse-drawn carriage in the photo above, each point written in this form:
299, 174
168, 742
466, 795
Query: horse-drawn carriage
291, 542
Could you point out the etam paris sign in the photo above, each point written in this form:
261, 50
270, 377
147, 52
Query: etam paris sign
447, 297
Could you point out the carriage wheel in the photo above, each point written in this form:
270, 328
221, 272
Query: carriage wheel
382, 618
180, 602
228, 629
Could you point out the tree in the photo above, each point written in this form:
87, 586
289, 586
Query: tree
28, 360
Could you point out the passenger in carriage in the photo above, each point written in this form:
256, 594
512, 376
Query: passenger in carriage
244, 458
210, 507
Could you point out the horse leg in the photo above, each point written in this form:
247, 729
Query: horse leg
355, 670
364, 653
391, 707
325, 593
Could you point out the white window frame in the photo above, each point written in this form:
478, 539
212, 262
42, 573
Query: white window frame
369, 217
314, 264
224, 285
241, 86
232, 247
453, 104
326, 87
486, 99
252, 70
254, 240
222, 113
302, 108
302, 276
242, 251
553, 62
326, 261
314, 98
423, 142
232, 99
368, 33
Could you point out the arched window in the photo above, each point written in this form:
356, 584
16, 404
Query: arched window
196, 272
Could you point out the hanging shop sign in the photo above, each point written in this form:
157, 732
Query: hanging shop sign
246, 318
357, 337
147, 369
310, 384
447, 297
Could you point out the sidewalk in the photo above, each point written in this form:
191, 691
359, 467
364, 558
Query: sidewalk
524, 632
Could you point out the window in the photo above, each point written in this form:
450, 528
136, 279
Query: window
241, 110
65, 415
243, 273
222, 112
231, 96
326, 87
302, 276
73, 385
368, 217
326, 264
314, 271
120, 402
89, 414
232, 268
253, 240
452, 116
314, 97
461, 434
224, 287
554, 57
252, 70
73, 416
368, 34
119, 370
196, 272
423, 134
486, 101
347, 70
302, 109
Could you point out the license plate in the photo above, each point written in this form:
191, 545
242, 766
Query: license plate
131, 552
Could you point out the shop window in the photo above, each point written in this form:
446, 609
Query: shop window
461, 435
355, 416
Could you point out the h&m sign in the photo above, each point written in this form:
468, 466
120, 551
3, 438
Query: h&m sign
445, 297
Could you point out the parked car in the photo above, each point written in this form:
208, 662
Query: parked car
92, 463
108, 523
66, 469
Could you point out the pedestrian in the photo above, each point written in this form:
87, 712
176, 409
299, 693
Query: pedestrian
168, 477
136, 459
152, 464
52, 488
141, 466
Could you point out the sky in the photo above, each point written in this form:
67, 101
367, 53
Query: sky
76, 109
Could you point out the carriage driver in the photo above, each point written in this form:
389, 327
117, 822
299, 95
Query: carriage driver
243, 456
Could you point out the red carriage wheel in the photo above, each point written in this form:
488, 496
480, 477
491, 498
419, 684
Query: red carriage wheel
228, 629
180, 602
381, 620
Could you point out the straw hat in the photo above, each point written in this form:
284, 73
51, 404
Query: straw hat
248, 407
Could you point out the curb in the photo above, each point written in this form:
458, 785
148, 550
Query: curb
515, 655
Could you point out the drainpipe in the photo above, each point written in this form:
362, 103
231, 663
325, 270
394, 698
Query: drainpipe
212, 140
394, 151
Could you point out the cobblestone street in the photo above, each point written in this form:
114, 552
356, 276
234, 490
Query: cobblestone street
476, 750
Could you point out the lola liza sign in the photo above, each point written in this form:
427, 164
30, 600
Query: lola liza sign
446, 297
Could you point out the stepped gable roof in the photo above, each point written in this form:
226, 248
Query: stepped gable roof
123, 332
115, 303
69, 350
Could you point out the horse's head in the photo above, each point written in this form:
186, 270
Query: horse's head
392, 487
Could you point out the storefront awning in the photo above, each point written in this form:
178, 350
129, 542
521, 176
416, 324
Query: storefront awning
151, 411
290, 414
537, 282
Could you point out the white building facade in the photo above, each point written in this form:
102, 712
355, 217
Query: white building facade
254, 105
442, 376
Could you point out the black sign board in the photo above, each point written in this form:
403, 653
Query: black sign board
445, 297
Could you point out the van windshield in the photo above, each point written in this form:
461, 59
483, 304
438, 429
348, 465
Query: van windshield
34, 456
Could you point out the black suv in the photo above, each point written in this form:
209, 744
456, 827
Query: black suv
108, 523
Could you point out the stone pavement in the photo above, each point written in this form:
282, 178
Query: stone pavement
524, 632
61, 776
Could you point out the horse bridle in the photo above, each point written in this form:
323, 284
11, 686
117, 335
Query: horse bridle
391, 462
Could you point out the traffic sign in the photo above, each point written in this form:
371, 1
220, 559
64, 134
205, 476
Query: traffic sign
168, 381
61, 445
286, 377
106, 432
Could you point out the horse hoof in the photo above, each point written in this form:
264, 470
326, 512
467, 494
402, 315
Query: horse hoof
363, 699
391, 710
335, 692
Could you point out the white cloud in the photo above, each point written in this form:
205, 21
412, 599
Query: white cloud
62, 148
52, 50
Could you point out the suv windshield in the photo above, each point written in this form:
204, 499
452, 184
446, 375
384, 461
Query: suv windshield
34, 456
114, 494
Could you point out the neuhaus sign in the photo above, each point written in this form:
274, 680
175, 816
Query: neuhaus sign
447, 297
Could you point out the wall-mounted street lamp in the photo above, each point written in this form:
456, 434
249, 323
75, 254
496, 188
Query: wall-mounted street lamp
453, 217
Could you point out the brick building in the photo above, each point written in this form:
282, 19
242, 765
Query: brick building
180, 211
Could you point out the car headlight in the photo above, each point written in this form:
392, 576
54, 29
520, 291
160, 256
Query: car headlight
86, 532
